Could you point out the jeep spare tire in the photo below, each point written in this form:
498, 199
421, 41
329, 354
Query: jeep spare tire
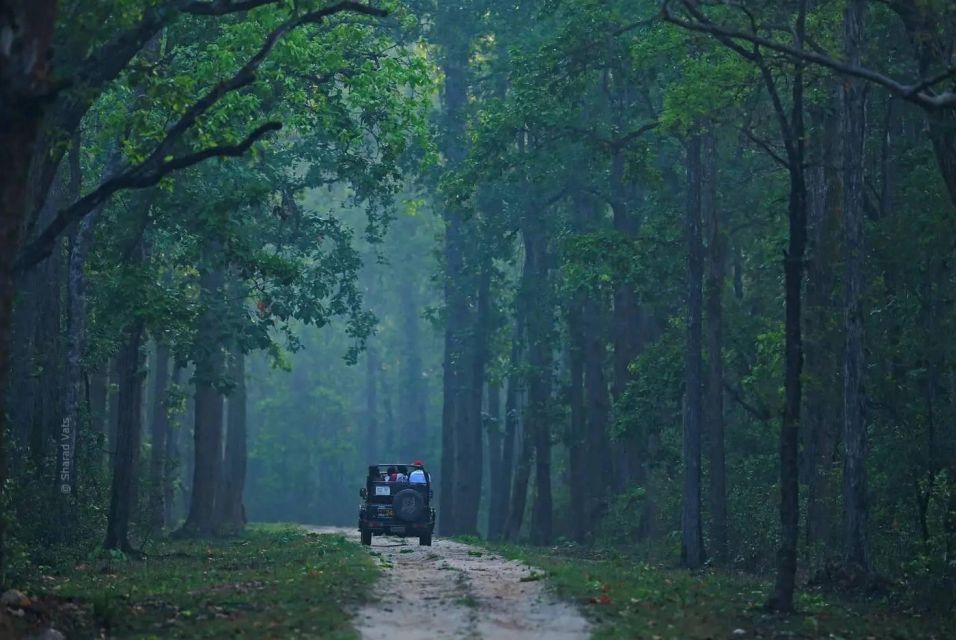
409, 505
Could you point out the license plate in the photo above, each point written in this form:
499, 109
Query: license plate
397, 529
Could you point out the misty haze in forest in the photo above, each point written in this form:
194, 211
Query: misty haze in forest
659, 293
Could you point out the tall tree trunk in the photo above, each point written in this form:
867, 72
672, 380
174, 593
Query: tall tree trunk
577, 433
495, 468
159, 433
372, 435
24, 81
207, 428
924, 23
822, 352
629, 463
598, 404
123, 496
112, 423
470, 462
713, 414
597, 400
66, 471
692, 540
98, 394
794, 134
232, 513
389, 432
512, 410
854, 429
456, 368
413, 424
790, 428
172, 459
81, 242
536, 289
19, 397
522, 476
516, 426
37, 399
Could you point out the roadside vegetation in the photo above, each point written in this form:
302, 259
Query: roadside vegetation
627, 596
273, 581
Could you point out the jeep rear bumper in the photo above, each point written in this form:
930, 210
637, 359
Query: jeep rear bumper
396, 528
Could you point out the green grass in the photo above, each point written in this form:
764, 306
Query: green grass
273, 581
626, 598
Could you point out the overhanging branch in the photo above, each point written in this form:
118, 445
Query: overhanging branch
140, 176
917, 93
163, 160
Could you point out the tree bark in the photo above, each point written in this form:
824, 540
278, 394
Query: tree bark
713, 414
159, 433
821, 345
496, 512
517, 433
854, 430
794, 134
98, 394
413, 423
629, 463
372, 370
232, 513
577, 433
81, 243
933, 53
112, 422
123, 496
470, 460
536, 290
172, 459
522, 476
207, 428
66, 471
692, 541
23, 84
512, 410
598, 404
456, 368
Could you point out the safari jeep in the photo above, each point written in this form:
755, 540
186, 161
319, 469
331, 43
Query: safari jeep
396, 508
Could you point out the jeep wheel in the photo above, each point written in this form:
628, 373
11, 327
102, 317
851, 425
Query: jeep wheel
367, 538
425, 541
409, 505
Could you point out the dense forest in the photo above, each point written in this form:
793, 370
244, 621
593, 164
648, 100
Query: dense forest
668, 276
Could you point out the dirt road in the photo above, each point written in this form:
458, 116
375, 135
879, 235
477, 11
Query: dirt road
452, 590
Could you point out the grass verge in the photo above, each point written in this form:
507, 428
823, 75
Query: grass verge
273, 581
626, 598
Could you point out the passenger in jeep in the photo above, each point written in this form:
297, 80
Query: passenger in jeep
418, 475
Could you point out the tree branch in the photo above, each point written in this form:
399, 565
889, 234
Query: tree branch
759, 412
157, 164
103, 65
141, 176
767, 148
916, 93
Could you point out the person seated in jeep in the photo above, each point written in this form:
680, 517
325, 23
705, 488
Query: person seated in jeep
418, 475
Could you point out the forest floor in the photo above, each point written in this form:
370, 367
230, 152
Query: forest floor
627, 598
282, 581
274, 581
455, 590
